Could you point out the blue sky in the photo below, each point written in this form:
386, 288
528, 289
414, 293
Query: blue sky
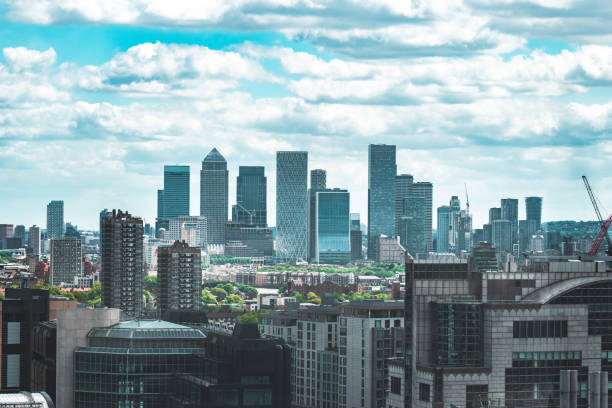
513, 98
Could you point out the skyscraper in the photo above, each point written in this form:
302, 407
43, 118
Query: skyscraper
251, 193
213, 196
34, 239
66, 260
180, 277
122, 262
527, 229
173, 200
494, 214
413, 225
291, 205
403, 188
502, 235
533, 207
455, 208
6, 231
382, 170
55, 220
443, 229
333, 241
318, 182
19, 233
356, 237
425, 190
509, 211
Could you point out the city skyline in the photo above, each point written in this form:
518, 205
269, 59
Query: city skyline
96, 102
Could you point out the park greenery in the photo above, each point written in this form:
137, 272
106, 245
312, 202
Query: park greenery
376, 269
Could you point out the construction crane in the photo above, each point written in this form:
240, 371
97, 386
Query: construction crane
603, 232
467, 199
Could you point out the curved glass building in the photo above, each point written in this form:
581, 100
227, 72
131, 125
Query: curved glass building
132, 364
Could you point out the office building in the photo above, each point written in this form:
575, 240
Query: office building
487, 230
388, 250
443, 229
333, 237
424, 191
553, 240
413, 225
153, 352
55, 220
318, 182
34, 239
173, 200
20, 233
502, 236
122, 263
188, 226
26, 399
403, 188
213, 196
356, 237
6, 231
20, 310
44, 358
478, 236
462, 228
382, 170
248, 241
533, 209
179, 274
509, 211
454, 218
251, 197
483, 258
495, 213
66, 261
502, 339
527, 228
291, 206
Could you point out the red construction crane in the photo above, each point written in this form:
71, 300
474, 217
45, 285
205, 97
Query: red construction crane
603, 232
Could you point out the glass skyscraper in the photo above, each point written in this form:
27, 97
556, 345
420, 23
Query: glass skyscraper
318, 182
173, 200
412, 225
213, 196
443, 228
509, 211
291, 205
382, 170
251, 193
55, 220
533, 207
333, 243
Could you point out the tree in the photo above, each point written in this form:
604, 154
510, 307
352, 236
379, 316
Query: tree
228, 287
208, 298
249, 291
249, 317
150, 283
219, 293
234, 299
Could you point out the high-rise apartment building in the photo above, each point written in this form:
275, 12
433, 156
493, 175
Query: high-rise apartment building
533, 207
20, 233
443, 229
509, 211
251, 193
173, 200
382, 170
66, 261
122, 262
34, 239
213, 196
291, 205
6, 231
179, 273
502, 235
318, 182
333, 239
55, 220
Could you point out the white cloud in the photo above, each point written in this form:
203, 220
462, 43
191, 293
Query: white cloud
20, 58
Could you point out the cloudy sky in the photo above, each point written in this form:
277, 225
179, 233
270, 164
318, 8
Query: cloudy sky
512, 97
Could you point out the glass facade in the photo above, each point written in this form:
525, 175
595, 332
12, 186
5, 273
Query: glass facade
533, 207
55, 220
318, 182
509, 211
291, 205
382, 170
412, 225
173, 200
458, 334
133, 364
443, 229
333, 227
251, 193
213, 196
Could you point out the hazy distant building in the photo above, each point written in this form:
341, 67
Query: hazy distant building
6, 231
483, 257
122, 263
20, 233
502, 235
173, 200
213, 196
251, 193
291, 205
443, 229
333, 239
356, 237
553, 240
388, 250
190, 225
537, 243
318, 182
248, 241
509, 211
487, 230
495, 213
455, 208
533, 208
66, 261
34, 239
179, 275
527, 228
413, 225
382, 170
403, 188
55, 220
462, 232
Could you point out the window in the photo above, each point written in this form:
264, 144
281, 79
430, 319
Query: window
424, 391
539, 329
396, 385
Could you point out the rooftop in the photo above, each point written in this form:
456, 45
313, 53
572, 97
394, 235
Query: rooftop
146, 329
214, 156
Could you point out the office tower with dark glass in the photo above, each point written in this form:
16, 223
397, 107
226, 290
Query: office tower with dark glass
179, 272
423, 190
291, 205
382, 170
251, 193
318, 182
403, 188
333, 239
443, 229
19, 233
55, 220
533, 207
412, 225
122, 267
502, 236
213, 196
509, 211
173, 200
356, 237
66, 261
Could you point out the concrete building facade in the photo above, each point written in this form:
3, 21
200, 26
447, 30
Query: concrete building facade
66, 261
